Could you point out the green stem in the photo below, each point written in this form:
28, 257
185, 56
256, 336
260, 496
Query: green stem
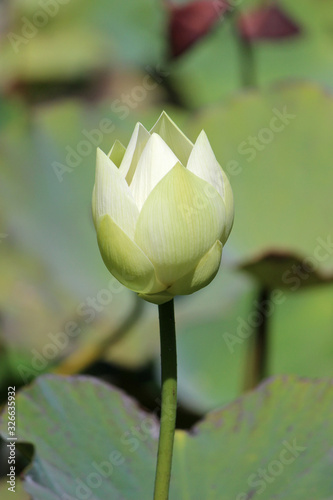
258, 349
248, 76
261, 341
169, 400
247, 63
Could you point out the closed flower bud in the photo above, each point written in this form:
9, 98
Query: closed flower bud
163, 209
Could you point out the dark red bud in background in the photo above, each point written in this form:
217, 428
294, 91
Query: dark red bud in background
190, 22
266, 23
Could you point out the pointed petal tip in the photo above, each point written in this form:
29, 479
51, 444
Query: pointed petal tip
116, 144
117, 152
155, 138
173, 136
155, 162
101, 156
139, 126
133, 151
179, 167
138, 130
164, 117
203, 139
163, 114
103, 160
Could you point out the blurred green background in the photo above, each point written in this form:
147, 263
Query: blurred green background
257, 76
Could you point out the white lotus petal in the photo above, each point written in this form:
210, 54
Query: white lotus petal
155, 162
134, 149
202, 275
178, 224
113, 196
124, 259
174, 137
229, 207
202, 162
117, 152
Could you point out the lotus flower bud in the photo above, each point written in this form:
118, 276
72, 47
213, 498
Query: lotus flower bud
163, 209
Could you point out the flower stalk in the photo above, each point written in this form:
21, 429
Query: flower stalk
169, 400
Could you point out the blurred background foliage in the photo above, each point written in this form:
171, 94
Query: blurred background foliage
69, 65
